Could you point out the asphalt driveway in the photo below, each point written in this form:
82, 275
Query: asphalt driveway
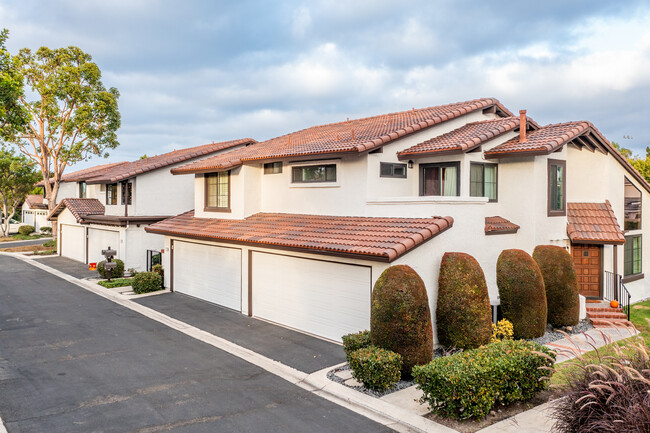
71, 361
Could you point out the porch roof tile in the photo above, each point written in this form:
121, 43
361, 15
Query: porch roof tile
593, 223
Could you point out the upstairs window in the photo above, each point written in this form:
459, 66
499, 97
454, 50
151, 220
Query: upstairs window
483, 181
440, 179
273, 168
217, 191
314, 173
389, 169
82, 189
111, 194
127, 193
632, 209
632, 255
556, 187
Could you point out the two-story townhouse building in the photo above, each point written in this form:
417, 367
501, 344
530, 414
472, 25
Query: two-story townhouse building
297, 229
110, 205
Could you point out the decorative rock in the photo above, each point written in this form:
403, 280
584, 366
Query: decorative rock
569, 329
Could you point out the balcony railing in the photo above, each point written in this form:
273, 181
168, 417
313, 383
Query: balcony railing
615, 290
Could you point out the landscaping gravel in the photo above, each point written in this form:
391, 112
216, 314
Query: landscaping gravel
552, 334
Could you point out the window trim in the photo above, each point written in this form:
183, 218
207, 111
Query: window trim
555, 212
207, 208
422, 167
316, 182
637, 275
109, 187
484, 164
272, 166
392, 166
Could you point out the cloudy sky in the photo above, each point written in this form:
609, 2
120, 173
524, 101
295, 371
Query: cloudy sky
191, 72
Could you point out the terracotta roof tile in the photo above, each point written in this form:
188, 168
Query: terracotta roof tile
371, 238
462, 139
86, 173
79, 207
593, 223
353, 136
497, 225
542, 141
35, 201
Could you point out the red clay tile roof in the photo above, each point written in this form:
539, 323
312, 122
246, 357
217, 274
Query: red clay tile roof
369, 238
593, 223
497, 225
542, 141
80, 207
463, 139
35, 201
353, 136
81, 175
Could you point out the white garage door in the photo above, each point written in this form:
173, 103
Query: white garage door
28, 218
100, 239
73, 241
208, 272
322, 298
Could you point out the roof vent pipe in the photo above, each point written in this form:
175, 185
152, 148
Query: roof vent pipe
522, 126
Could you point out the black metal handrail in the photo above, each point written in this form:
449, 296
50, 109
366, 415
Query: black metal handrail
615, 290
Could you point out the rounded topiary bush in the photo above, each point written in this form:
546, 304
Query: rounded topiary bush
463, 313
26, 230
521, 289
118, 272
561, 284
145, 282
400, 319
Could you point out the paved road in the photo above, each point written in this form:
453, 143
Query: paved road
71, 361
23, 243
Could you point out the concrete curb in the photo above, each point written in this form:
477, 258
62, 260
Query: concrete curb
2, 427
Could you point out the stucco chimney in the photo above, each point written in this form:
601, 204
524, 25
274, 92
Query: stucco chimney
522, 126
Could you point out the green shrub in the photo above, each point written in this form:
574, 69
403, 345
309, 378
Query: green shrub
145, 282
469, 384
26, 230
521, 289
377, 368
503, 330
463, 313
354, 342
400, 319
45, 230
118, 272
561, 283
50, 244
159, 270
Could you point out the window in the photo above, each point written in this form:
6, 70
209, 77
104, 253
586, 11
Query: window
389, 169
440, 179
483, 181
111, 193
273, 167
632, 253
82, 189
632, 209
556, 187
127, 193
314, 173
217, 191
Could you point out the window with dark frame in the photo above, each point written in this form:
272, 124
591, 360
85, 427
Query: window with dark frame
632, 209
82, 189
391, 169
632, 255
127, 193
217, 191
273, 167
111, 194
314, 173
441, 179
556, 187
483, 181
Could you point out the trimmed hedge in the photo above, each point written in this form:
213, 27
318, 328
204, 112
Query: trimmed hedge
45, 230
561, 283
145, 282
469, 384
521, 289
118, 272
377, 368
354, 342
463, 313
26, 230
400, 319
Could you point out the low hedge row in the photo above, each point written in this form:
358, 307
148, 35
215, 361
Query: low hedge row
377, 368
354, 342
469, 384
145, 282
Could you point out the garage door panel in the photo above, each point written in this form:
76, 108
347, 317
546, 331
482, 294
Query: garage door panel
208, 272
100, 239
322, 298
73, 241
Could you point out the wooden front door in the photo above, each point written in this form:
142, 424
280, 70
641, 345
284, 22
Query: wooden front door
588, 263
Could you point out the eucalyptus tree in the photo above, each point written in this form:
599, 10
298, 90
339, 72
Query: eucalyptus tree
13, 117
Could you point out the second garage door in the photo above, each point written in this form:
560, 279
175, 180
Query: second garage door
100, 239
320, 297
208, 272
73, 242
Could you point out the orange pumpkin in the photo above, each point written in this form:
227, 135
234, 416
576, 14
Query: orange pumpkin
613, 304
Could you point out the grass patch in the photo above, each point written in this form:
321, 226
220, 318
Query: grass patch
639, 315
19, 237
28, 249
116, 282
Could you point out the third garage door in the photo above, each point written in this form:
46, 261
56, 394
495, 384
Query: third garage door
208, 272
320, 297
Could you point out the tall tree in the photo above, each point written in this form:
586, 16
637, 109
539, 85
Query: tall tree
17, 178
71, 117
13, 117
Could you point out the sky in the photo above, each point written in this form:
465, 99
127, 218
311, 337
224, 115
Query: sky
191, 72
